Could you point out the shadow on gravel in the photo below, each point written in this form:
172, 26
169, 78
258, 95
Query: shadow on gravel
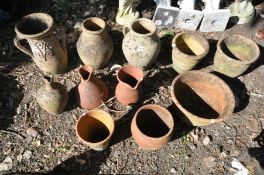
258, 152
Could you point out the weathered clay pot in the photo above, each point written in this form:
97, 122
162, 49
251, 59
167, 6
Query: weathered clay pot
188, 49
152, 127
94, 45
46, 50
129, 90
95, 129
202, 98
141, 44
92, 91
52, 96
234, 55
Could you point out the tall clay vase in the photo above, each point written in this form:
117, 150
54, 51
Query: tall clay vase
94, 45
46, 50
92, 91
129, 90
152, 127
95, 129
141, 44
188, 49
52, 96
234, 55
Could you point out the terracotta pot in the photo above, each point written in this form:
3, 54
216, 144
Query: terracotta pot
94, 45
188, 49
141, 44
129, 90
234, 55
202, 98
95, 129
52, 96
46, 50
152, 127
92, 91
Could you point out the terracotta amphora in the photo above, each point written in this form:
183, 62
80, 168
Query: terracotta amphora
94, 46
92, 91
129, 89
141, 44
52, 96
95, 129
152, 127
49, 54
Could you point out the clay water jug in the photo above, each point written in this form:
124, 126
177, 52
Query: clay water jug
129, 89
94, 46
91, 90
52, 96
49, 54
141, 44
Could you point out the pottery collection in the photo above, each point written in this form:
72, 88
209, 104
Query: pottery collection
49, 54
94, 45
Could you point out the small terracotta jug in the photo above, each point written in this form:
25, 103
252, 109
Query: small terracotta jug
95, 129
141, 44
128, 89
52, 96
152, 127
92, 91
46, 50
94, 46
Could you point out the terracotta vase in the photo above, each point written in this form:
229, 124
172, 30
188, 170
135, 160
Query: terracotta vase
202, 98
52, 96
46, 50
152, 127
92, 91
234, 55
129, 90
188, 49
95, 129
141, 44
94, 45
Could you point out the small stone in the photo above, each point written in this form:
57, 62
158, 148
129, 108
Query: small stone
19, 157
192, 146
19, 109
27, 154
32, 132
206, 140
173, 170
6, 165
209, 162
223, 155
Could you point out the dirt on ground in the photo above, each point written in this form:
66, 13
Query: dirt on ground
39, 143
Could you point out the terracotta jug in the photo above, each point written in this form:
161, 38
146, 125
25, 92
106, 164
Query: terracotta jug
141, 44
95, 129
94, 46
52, 96
46, 50
128, 89
152, 127
92, 91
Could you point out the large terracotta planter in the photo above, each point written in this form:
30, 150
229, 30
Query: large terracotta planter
234, 55
152, 127
188, 49
202, 98
95, 129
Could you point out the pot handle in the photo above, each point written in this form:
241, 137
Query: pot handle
22, 48
126, 29
78, 27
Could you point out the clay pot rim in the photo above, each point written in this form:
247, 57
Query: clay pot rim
229, 92
204, 42
139, 81
49, 22
146, 20
219, 48
87, 68
111, 132
94, 31
153, 106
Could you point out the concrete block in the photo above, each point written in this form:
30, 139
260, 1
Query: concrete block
189, 19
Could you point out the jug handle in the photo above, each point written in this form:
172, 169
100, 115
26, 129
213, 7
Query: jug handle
126, 29
22, 48
78, 27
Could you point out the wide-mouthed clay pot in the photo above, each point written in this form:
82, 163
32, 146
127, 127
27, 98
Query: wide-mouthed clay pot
95, 129
129, 89
234, 55
202, 98
188, 49
152, 127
